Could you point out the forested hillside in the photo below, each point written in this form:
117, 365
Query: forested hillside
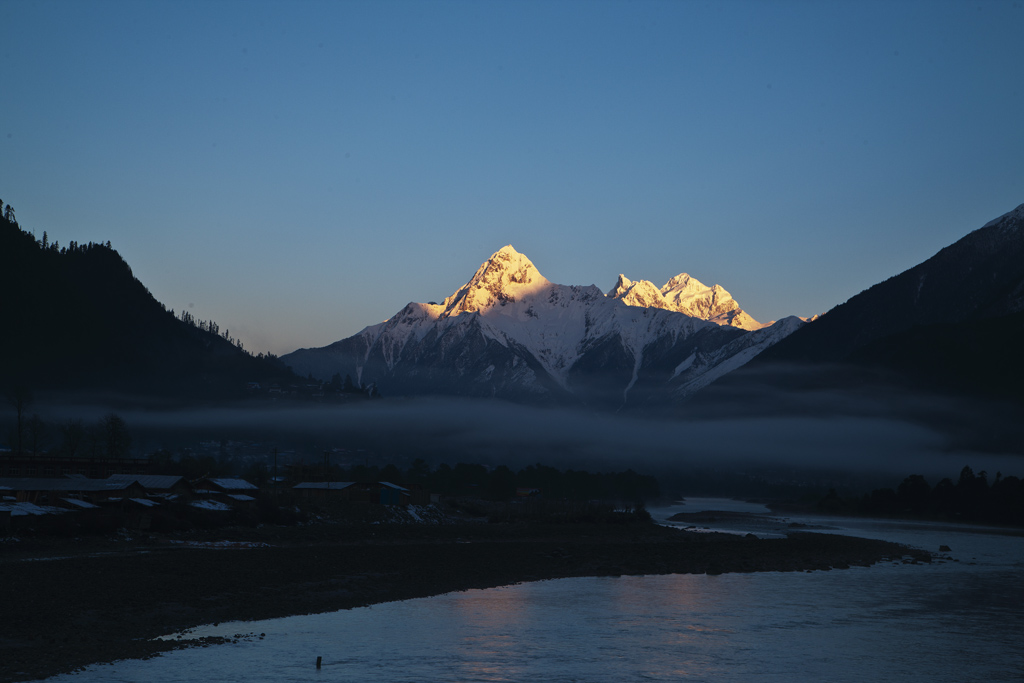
74, 318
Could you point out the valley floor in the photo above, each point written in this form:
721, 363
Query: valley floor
72, 602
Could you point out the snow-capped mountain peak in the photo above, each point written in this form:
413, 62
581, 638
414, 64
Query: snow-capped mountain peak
505, 277
641, 293
511, 332
683, 284
688, 295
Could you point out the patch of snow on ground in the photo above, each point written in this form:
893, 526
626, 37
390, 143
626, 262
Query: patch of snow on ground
685, 365
223, 545
210, 505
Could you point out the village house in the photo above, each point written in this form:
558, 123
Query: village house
393, 494
138, 513
222, 485
378, 492
166, 486
50, 491
324, 490
235, 492
16, 515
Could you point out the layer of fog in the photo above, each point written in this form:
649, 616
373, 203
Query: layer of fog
493, 432
763, 418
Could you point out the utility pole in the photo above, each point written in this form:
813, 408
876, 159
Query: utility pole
275, 472
325, 471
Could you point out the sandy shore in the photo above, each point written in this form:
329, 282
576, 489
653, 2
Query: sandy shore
68, 603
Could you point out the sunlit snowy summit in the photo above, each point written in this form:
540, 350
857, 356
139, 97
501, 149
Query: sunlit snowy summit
511, 333
685, 294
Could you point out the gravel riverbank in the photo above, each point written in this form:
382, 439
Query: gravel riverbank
69, 603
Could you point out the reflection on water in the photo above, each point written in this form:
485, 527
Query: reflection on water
949, 621
487, 646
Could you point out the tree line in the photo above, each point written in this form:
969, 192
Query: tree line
971, 499
107, 437
83, 321
213, 328
44, 242
75, 248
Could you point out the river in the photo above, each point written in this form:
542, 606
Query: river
959, 619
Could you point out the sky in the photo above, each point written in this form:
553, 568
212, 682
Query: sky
297, 171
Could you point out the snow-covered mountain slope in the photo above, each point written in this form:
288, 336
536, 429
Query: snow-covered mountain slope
509, 332
685, 294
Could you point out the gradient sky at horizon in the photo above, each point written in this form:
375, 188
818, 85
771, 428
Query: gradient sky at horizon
297, 171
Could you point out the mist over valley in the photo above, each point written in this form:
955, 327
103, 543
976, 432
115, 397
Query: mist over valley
512, 369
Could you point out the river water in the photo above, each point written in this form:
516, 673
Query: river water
959, 619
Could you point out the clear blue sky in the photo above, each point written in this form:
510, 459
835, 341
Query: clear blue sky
297, 171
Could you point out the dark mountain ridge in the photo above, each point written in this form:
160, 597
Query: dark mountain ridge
953, 322
77, 320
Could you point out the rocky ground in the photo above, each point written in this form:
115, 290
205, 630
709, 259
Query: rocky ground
67, 603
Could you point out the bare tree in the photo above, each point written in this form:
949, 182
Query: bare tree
20, 398
115, 436
72, 435
36, 434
